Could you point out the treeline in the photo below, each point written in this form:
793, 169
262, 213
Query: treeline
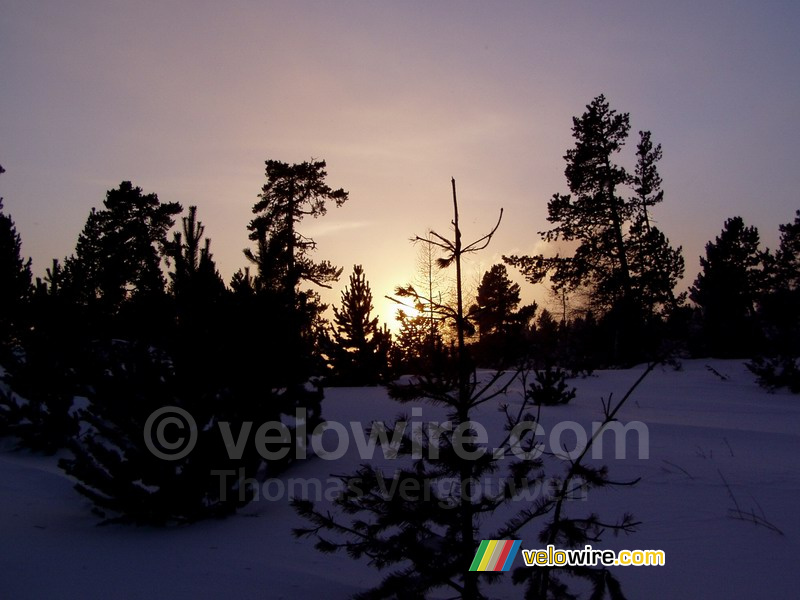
138, 317
107, 338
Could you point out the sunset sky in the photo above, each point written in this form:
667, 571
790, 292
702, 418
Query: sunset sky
188, 99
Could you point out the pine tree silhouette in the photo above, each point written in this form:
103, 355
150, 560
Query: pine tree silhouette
283, 312
115, 272
360, 348
778, 365
40, 383
625, 262
726, 290
15, 285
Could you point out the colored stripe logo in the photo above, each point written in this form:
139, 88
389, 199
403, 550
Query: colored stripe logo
495, 555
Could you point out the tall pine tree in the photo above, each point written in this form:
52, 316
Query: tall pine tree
282, 317
283, 255
15, 290
627, 264
779, 313
360, 346
726, 291
116, 272
15, 284
502, 327
496, 301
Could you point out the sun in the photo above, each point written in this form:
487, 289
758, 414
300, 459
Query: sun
390, 312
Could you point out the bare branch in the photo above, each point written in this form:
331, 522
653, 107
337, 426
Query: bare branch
473, 247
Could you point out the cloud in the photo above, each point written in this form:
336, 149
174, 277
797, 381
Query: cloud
322, 229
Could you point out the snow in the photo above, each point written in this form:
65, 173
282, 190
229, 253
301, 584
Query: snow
701, 428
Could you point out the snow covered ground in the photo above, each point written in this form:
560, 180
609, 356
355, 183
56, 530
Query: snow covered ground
701, 428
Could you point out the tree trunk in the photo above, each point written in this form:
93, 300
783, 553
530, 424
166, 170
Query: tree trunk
470, 591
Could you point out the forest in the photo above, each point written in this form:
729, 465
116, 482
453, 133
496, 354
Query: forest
138, 318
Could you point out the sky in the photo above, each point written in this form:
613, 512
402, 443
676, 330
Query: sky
189, 99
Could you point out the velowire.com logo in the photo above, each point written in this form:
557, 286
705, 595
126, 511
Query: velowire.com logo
495, 555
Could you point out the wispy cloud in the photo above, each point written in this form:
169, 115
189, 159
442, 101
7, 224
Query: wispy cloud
322, 229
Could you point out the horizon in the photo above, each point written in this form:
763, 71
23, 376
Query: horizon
397, 99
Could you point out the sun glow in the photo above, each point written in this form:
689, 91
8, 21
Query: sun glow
389, 312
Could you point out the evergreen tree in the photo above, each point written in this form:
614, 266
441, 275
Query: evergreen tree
196, 286
503, 328
594, 215
43, 379
779, 313
646, 180
283, 258
436, 535
115, 272
419, 347
204, 370
785, 270
496, 302
359, 356
15, 285
119, 460
779, 303
621, 257
546, 338
35, 400
726, 290
112, 287
656, 267
201, 330
194, 274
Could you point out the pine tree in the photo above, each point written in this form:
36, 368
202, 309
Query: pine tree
496, 302
627, 264
779, 313
200, 334
785, 273
198, 368
594, 214
194, 274
419, 347
289, 314
646, 180
15, 285
119, 461
195, 283
546, 339
292, 192
503, 328
656, 267
35, 397
116, 269
112, 287
779, 303
359, 355
726, 290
